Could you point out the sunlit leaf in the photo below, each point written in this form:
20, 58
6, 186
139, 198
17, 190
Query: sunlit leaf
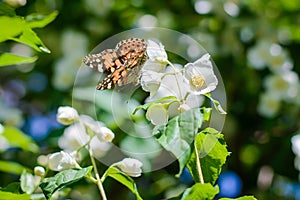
13, 196
200, 191
124, 179
178, 134
240, 198
12, 59
12, 167
212, 151
30, 38
14, 26
17, 138
62, 179
40, 21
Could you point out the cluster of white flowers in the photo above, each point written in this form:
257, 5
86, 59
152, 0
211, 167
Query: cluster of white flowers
186, 83
83, 132
282, 84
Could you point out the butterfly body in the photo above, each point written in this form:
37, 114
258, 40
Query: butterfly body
122, 64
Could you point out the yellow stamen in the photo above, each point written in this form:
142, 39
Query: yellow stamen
197, 81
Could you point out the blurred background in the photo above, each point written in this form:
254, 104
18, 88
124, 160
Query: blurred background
255, 45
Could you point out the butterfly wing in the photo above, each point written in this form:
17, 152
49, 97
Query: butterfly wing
132, 52
122, 64
103, 62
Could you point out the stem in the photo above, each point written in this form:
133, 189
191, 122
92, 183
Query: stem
99, 183
198, 164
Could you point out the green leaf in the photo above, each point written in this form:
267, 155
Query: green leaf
13, 196
12, 187
216, 104
27, 182
147, 105
40, 21
123, 178
6, 10
212, 151
200, 191
12, 167
17, 138
14, 26
62, 179
178, 134
30, 38
12, 59
241, 198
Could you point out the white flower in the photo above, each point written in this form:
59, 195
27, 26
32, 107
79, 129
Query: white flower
295, 140
39, 171
150, 81
200, 75
156, 52
93, 125
67, 115
61, 161
258, 54
282, 86
73, 137
158, 114
268, 105
104, 134
99, 148
130, 166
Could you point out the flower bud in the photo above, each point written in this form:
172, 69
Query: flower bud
39, 171
130, 166
105, 134
67, 115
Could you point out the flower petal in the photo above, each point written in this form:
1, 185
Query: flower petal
200, 75
130, 166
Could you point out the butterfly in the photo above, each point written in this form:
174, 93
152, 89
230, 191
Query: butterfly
122, 64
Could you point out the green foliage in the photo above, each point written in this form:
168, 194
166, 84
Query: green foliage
12, 167
63, 179
13, 196
212, 151
17, 138
19, 29
123, 178
200, 191
12, 59
178, 135
241, 198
